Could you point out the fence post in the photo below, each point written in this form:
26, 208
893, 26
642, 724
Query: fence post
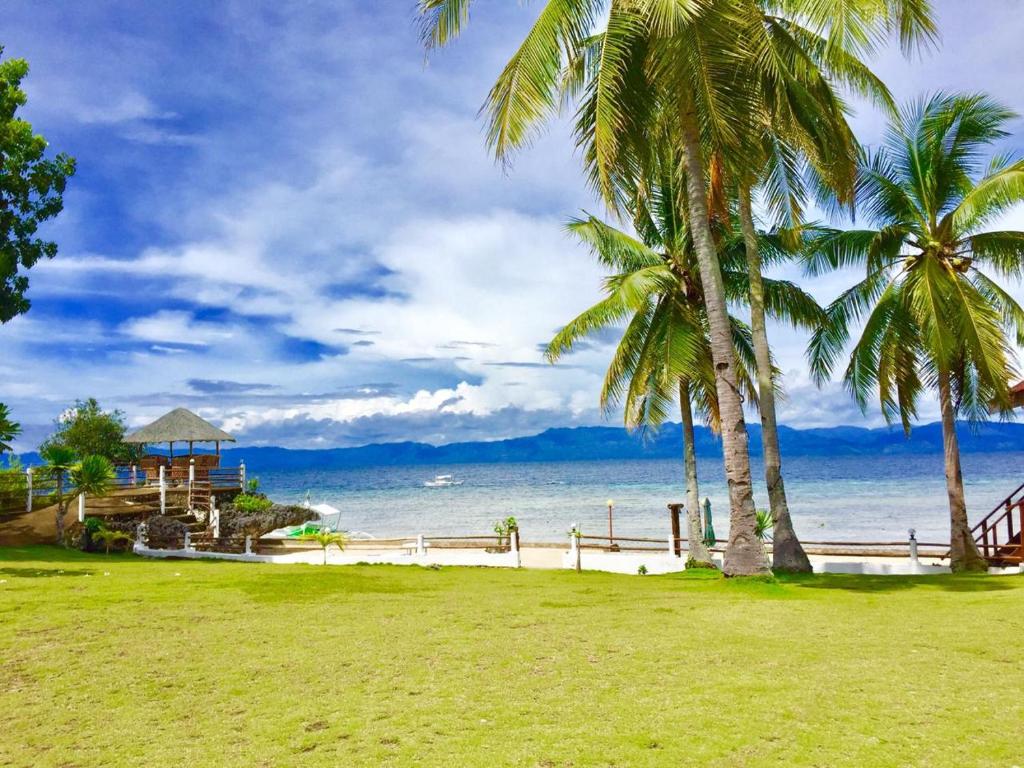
513, 542
421, 545
191, 475
188, 541
914, 562
215, 521
574, 544
135, 476
28, 501
81, 507
248, 544
241, 474
672, 546
163, 491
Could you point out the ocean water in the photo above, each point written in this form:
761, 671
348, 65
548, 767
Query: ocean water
847, 498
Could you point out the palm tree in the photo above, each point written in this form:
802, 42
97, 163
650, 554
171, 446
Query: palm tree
9, 429
932, 317
110, 538
92, 475
665, 347
325, 539
685, 64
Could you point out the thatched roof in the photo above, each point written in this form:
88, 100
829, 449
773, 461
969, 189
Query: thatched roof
1017, 395
179, 426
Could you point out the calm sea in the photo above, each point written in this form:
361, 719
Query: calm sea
856, 498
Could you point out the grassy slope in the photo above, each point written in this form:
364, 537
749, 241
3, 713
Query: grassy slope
202, 663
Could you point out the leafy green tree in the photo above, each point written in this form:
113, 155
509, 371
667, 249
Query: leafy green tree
9, 429
88, 430
327, 539
932, 316
695, 68
92, 475
31, 191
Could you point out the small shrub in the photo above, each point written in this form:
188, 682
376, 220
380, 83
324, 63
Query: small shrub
110, 539
642, 570
691, 563
252, 486
250, 504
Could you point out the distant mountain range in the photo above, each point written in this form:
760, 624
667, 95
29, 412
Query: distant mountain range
594, 443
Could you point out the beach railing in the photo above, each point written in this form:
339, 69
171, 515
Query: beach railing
907, 548
626, 544
989, 532
416, 544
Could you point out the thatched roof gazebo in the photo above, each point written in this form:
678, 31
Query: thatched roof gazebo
180, 426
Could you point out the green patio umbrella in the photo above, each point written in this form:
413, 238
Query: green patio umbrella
709, 528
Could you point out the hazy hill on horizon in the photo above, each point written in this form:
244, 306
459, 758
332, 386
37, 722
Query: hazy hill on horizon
597, 443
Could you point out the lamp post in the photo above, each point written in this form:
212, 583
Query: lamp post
611, 537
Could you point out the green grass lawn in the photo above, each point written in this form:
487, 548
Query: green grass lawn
121, 661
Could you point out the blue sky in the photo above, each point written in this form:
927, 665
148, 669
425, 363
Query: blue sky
285, 218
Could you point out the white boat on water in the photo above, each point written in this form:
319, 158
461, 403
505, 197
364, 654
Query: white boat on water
442, 481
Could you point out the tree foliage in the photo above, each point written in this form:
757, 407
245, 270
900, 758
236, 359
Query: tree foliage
31, 192
9, 429
928, 301
87, 430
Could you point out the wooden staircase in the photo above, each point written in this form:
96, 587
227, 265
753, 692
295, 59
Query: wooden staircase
200, 496
998, 535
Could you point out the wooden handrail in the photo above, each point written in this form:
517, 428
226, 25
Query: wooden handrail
1003, 506
986, 531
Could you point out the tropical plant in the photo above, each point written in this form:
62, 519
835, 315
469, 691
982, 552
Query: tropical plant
13, 486
110, 538
71, 477
325, 539
696, 69
932, 316
664, 354
765, 523
250, 504
31, 191
9, 429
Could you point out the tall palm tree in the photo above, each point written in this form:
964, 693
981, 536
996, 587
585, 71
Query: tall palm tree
685, 63
665, 347
9, 429
92, 475
932, 316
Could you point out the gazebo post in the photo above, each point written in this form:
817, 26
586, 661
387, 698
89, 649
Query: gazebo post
190, 452
172, 451
217, 443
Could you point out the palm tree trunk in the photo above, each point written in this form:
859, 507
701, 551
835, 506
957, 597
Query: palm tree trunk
697, 552
743, 553
61, 509
963, 555
787, 552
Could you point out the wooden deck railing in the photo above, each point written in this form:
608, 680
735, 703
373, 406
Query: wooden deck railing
999, 534
624, 543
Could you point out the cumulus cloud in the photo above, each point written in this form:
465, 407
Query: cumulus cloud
313, 249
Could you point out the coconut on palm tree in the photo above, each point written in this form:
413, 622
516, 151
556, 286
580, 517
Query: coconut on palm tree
71, 477
684, 65
933, 316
